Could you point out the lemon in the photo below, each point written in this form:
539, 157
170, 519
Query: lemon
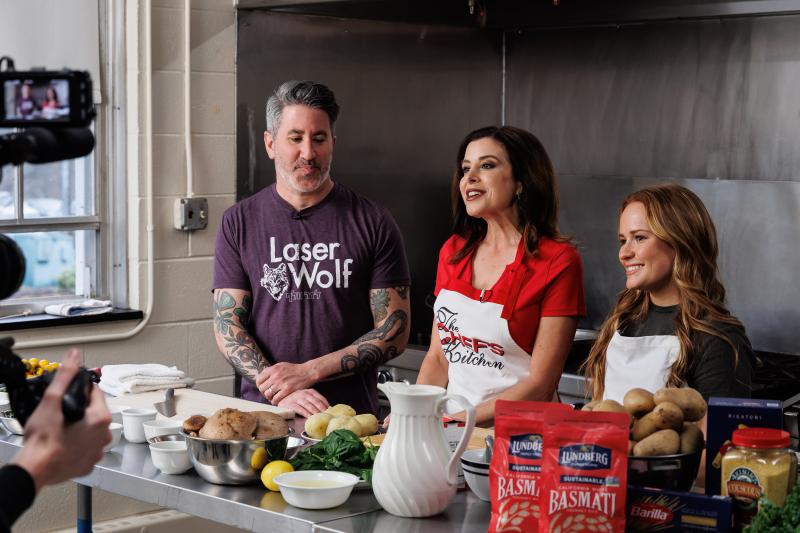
273, 469
259, 459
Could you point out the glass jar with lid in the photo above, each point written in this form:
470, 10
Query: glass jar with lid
758, 464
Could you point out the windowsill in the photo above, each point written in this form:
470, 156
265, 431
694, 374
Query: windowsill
47, 321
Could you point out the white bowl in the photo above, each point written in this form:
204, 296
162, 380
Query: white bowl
156, 428
171, 457
5, 403
116, 412
316, 489
116, 435
132, 420
476, 472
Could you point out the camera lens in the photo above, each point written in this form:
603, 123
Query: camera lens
12, 265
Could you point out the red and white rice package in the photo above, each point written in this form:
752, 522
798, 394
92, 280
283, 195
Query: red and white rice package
514, 473
584, 472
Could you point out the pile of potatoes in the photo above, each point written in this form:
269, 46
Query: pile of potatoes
340, 416
663, 423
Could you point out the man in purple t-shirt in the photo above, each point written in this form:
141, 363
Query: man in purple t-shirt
310, 279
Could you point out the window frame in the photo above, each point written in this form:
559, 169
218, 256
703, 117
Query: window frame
108, 250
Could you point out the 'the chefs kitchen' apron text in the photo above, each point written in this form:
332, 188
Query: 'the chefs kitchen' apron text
461, 349
278, 279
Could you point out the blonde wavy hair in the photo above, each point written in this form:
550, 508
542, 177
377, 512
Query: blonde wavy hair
678, 217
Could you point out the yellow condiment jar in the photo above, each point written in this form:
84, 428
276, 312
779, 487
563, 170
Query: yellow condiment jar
758, 464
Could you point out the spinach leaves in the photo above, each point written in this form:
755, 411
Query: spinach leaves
341, 451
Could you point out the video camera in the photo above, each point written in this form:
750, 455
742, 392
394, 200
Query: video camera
55, 108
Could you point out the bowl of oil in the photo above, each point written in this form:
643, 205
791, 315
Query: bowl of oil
316, 489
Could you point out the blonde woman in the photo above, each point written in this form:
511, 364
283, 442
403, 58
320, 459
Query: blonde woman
670, 326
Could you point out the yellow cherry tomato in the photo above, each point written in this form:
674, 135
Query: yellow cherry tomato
273, 469
39, 371
43, 363
34, 362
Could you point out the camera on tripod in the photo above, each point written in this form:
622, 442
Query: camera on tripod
55, 108
46, 98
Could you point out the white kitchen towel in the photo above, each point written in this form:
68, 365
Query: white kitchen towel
86, 307
134, 388
130, 379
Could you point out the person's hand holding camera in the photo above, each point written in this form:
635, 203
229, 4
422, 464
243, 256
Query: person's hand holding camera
55, 452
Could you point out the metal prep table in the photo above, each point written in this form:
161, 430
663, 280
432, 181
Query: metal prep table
127, 470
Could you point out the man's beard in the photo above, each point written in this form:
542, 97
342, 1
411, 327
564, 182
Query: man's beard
296, 183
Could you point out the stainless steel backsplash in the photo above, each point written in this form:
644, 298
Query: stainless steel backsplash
712, 104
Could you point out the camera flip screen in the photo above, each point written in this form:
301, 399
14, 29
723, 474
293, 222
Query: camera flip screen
37, 100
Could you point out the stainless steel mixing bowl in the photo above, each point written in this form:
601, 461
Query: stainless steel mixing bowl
234, 462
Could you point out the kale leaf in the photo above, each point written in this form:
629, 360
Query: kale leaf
341, 451
774, 519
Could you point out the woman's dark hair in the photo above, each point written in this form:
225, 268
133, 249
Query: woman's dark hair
537, 203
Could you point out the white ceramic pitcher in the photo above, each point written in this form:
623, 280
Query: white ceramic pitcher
414, 472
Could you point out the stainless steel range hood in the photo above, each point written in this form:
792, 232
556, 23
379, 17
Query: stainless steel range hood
526, 14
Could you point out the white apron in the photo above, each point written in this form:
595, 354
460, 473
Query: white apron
642, 362
483, 359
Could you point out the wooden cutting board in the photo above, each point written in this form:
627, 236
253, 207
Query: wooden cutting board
190, 402
476, 441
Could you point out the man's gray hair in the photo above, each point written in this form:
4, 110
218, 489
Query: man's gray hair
312, 94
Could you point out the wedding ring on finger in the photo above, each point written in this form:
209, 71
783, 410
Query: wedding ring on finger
269, 390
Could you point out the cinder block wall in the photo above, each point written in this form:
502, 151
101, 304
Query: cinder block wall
180, 331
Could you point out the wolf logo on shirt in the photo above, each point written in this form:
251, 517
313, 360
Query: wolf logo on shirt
275, 280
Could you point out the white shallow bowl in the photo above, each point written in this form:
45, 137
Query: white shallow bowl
171, 457
476, 472
116, 434
316, 489
156, 428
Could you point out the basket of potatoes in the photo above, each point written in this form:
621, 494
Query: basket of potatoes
339, 416
666, 444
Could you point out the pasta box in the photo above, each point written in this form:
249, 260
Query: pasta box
725, 415
675, 512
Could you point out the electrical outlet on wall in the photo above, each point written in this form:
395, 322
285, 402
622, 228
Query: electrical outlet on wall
190, 214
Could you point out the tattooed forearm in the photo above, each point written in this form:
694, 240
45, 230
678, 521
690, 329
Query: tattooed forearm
236, 344
243, 353
379, 303
389, 330
367, 356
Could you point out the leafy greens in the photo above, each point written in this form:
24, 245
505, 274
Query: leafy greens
773, 519
341, 451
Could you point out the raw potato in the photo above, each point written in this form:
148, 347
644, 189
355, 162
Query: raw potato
369, 424
344, 422
638, 402
317, 425
689, 400
667, 415
691, 438
663, 442
644, 427
341, 409
611, 406
590, 406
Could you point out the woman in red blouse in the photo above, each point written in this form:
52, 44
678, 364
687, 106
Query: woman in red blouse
509, 286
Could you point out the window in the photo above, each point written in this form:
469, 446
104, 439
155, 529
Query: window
62, 214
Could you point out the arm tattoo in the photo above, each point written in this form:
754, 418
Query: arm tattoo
399, 318
402, 292
379, 303
240, 347
369, 355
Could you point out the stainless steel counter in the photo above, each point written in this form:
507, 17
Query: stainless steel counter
127, 470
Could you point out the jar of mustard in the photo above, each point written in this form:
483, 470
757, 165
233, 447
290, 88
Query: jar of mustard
758, 464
